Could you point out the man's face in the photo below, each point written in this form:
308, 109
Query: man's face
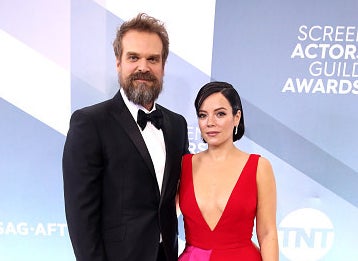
140, 67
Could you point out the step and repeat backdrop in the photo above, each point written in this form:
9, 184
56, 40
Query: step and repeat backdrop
294, 63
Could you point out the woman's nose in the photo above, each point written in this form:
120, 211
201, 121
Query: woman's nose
210, 121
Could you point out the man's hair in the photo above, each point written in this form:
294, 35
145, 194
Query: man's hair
142, 23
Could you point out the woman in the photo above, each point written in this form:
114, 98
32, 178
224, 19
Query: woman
223, 189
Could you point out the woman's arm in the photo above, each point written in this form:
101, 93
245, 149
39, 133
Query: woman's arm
266, 229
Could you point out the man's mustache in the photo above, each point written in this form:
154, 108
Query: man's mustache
147, 76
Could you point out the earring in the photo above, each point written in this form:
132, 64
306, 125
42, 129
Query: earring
236, 130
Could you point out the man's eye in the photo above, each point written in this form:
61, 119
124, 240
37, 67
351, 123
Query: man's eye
133, 58
153, 60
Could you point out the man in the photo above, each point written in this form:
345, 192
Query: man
120, 176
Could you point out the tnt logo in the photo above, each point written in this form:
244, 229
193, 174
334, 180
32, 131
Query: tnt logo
305, 234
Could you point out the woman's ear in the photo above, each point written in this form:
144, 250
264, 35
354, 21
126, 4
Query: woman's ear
237, 117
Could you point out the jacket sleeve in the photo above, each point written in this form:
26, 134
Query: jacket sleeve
82, 166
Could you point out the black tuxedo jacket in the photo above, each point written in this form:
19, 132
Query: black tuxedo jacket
114, 209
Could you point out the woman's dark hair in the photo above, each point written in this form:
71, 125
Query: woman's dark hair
230, 94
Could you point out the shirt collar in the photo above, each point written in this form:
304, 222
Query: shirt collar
132, 107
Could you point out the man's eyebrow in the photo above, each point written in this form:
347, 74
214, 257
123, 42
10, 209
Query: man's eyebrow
131, 53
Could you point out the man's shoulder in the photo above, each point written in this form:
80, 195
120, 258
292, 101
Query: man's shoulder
96, 107
169, 112
99, 107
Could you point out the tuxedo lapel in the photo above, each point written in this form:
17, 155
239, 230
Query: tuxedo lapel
167, 131
125, 119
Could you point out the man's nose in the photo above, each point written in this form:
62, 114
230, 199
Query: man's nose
143, 65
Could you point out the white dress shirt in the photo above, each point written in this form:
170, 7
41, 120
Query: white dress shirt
153, 138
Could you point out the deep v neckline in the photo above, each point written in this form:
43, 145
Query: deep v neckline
228, 201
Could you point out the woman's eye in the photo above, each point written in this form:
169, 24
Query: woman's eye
201, 115
221, 114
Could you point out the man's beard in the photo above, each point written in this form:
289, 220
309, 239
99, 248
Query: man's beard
141, 93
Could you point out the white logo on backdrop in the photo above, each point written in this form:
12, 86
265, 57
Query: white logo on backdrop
332, 54
196, 143
305, 234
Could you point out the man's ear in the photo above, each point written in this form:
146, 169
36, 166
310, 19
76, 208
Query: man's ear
118, 64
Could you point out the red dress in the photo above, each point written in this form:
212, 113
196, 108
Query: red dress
230, 240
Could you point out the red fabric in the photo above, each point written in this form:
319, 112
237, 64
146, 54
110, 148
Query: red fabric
230, 240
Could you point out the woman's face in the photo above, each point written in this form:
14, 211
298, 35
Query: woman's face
216, 121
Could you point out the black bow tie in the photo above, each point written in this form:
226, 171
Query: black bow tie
155, 117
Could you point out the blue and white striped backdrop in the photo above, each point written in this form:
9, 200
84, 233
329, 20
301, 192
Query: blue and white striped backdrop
294, 64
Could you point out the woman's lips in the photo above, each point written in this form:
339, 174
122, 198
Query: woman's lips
212, 133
